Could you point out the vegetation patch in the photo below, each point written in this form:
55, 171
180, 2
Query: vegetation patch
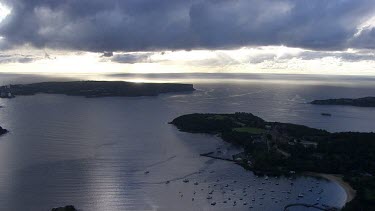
252, 130
218, 117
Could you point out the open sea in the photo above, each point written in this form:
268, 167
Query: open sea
94, 152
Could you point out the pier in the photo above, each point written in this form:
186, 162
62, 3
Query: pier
210, 155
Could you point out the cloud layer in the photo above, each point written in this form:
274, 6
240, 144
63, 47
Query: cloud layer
156, 25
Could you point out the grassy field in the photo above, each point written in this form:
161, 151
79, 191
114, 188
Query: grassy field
251, 130
218, 117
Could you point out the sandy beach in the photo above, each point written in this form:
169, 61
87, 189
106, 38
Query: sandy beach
350, 192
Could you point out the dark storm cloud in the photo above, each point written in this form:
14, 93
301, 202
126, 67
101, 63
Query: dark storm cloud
132, 58
366, 39
147, 25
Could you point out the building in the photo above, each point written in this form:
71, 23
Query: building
309, 144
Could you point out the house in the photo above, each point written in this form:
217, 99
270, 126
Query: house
309, 144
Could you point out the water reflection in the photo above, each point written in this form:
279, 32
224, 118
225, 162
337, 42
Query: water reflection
94, 153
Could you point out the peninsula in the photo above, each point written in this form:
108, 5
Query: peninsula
283, 148
94, 89
360, 102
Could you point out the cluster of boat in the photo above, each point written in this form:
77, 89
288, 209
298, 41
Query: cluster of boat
231, 194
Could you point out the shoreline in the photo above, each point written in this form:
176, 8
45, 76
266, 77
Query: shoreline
350, 192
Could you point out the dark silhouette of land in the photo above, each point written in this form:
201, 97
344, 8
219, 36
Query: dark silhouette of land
66, 208
95, 89
360, 102
2, 131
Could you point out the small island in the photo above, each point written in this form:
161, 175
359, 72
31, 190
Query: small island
66, 208
94, 89
2, 131
359, 102
283, 148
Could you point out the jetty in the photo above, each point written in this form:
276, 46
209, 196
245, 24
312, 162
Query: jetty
211, 155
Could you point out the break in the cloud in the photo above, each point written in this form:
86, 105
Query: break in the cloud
256, 55
153, 25
271, 59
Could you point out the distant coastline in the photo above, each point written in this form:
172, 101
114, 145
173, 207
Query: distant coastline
359, 102
94, 89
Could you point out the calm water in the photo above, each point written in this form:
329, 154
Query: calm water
94, 153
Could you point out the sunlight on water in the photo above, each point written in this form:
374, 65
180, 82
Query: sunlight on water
198, 78
94, 152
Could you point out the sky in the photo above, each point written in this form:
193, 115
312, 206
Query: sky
334, 37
